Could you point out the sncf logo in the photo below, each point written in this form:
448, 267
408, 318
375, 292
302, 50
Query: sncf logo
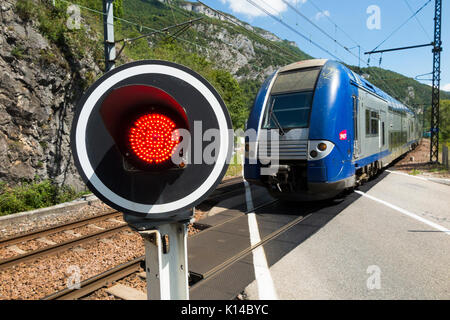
343, 135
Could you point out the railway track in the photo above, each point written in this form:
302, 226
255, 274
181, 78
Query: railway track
225, 189
97, 282
64, 245
122, 271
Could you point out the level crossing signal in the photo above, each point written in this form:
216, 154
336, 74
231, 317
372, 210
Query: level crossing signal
139, 138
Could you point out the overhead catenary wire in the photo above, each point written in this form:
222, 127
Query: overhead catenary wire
320, 29
336, 25
294, 30
271, 43
418, 21
141, 26
252, 32
355, 42
374, 74
184, 24
400, 26
133, 23
393, 92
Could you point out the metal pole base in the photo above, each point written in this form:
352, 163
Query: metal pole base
166, 262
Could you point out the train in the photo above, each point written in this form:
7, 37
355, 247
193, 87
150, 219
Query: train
320, 129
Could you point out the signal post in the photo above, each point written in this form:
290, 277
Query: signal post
135, 135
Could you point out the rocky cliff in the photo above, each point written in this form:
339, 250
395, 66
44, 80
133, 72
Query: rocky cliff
39, 87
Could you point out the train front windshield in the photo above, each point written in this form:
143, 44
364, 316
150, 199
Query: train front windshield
290, 100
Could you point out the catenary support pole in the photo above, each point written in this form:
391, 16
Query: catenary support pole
108, 32
436, 86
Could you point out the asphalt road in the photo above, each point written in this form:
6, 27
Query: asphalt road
390, 242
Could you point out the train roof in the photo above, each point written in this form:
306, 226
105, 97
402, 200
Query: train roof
304, 64
356, 78
393, 103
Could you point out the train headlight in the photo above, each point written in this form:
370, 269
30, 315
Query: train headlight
322, 146
319, 149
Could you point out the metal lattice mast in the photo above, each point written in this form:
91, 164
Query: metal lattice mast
434, 146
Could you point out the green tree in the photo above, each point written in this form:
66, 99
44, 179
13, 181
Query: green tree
444, 115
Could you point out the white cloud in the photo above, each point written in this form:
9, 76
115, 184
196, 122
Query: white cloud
446, 87
272, 6
320, 15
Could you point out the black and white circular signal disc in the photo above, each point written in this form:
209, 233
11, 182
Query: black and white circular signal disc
99, 162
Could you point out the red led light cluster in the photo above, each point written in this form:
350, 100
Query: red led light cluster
153, 138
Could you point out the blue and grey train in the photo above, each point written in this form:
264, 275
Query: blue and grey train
320, 128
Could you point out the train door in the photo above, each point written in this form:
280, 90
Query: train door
356, 128
382, 130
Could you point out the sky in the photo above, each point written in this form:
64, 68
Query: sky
366, 23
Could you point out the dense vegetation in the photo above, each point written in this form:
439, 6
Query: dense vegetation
29, 196
445, 121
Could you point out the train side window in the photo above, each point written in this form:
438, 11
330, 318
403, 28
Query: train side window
372, 123
383, 133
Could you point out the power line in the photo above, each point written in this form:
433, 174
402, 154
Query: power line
293, 29
184, 24
399, 27
393, 92
233, 22
336, 25
320, 29
254, 33
133, 23
418, 21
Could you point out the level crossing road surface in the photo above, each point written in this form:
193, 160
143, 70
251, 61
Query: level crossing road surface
390, 239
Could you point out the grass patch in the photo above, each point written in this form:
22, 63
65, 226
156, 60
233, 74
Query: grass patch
18, 52
235, 167
34, 195
415, 172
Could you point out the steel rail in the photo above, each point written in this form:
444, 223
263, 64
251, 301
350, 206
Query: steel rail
55, 229
79, 223
90, 285
32, 255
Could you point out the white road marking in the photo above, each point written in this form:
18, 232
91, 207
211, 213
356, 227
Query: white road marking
405, 174
264, 281
407, 213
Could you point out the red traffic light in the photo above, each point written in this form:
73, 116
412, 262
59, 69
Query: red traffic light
153, 138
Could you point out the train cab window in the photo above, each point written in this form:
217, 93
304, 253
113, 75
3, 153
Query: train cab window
290, 110
290, 100
372, 123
